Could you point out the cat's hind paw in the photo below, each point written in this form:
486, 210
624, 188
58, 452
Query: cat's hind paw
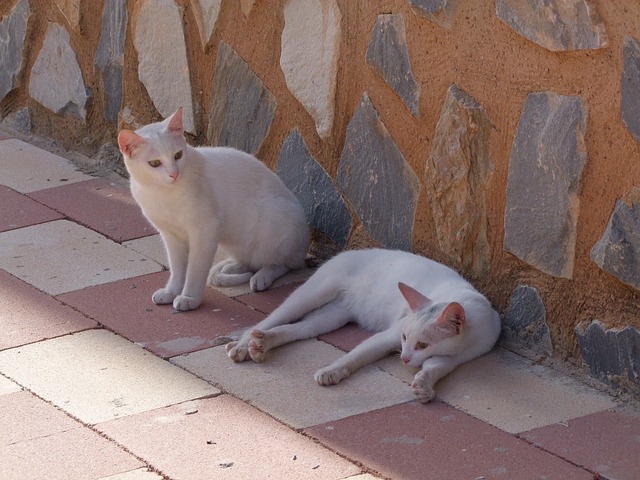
163, 296
257, 346
423, 390
183, 303
331, 376
237, 351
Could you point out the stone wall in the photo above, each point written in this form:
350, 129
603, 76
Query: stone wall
500, 137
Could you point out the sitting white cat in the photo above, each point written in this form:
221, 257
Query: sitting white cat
436, 319
203, 198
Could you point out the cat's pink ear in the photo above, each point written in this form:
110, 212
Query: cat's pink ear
452, 318
128, 141
175, 122
414, 298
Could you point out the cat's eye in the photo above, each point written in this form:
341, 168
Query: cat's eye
155, 163
421, 345
178, 155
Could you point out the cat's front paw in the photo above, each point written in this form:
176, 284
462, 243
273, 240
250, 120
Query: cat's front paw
183, 303
259, 282
423, 389
331, 376
257, 346
163, 296
237, 351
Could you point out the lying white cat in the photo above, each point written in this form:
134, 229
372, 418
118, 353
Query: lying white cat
202, 198
421, 307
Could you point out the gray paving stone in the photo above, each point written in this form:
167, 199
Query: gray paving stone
13, 30
510, 392
104, 376
630, 87
558, 25
618, 250
110, 54
457, 170
545, 168
27, 168
206, 14
388, 54
377, 180
61, 256
283, 385
242, 108
314, 188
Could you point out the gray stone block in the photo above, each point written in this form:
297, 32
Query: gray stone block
557, 25
13, 30
389, 56
314, 188
438, 11
110, 55
545, 167
618, 250
612, 355
457, 170
376, 179
525, 323
242, 108
630, 87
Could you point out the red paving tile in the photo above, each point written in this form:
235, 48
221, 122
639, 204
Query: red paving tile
605, 442
100, 205
126, 308
18, 210
28, 315
268, 300
435, 441
39, 441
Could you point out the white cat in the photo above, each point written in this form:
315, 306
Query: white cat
202, 198
436, 318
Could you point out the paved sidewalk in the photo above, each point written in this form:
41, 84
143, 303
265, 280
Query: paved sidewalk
97, 382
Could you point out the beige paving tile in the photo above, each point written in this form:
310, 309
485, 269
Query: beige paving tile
138, 474
26, 168
96, 376
7, 386
62, 256
511, 393
153, 248
224, 437
283, 385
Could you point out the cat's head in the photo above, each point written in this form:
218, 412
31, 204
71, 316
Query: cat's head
430, 328
155, 154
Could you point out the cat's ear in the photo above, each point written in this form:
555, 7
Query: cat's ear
175, 122
128, 141
414, 298
452, 318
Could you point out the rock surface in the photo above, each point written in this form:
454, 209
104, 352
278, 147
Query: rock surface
438, 11
389, 56
618, 250
314, 188
373, 174
525, 323
242, 108
109, 57
558, 25
545, 167
13, 30
206, 13
56, 79
630, 87
457, 171
162, 58
309, 57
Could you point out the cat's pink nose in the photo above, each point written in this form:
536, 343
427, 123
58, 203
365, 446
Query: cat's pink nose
404, 360
174, 175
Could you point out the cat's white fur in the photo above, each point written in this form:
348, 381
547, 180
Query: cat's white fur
203, 198
426, 310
